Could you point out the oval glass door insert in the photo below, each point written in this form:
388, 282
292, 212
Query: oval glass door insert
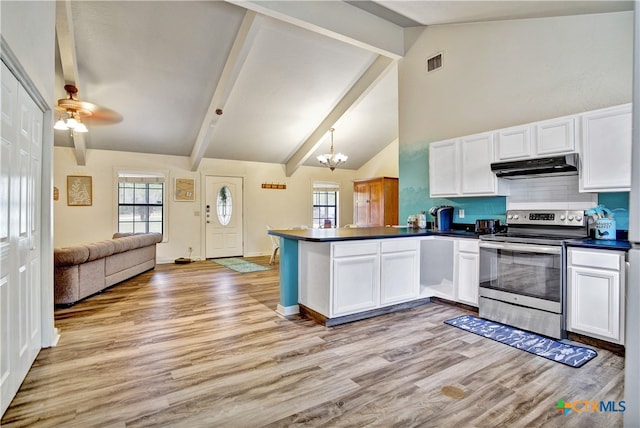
224, 204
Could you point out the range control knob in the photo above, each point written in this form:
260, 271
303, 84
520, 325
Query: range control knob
516, 216
578, 218
510, 216
562, 217
570, 218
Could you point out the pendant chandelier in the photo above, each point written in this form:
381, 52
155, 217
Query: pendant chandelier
332, 160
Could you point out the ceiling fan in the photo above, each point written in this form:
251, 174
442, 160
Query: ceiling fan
73, 112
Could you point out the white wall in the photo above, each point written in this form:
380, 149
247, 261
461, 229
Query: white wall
505, 73
28, 28
277, 208
384, 164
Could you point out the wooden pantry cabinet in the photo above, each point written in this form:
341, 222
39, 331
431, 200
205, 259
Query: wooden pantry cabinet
375, 202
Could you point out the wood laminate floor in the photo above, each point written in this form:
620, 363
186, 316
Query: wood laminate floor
199, 345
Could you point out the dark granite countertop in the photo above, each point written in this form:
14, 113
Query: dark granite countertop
600, 244
358, 233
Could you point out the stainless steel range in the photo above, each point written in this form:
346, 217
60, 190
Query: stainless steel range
522, 271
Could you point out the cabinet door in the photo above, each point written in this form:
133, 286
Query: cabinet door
376, 203
606, 150
361, 204
468, 270
443, 168
513, 143
594, 302
555, 136
476, 157
399, 275
355, 284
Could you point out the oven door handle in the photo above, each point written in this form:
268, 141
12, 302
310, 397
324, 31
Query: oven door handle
522, 247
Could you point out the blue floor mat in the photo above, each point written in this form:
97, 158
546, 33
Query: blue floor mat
571, 355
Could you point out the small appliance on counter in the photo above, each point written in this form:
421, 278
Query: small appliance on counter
489, 226
443, 217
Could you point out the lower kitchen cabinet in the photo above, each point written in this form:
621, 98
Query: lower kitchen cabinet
596, 293
449, 269
344, 278
355, 284
467, 271
398, 271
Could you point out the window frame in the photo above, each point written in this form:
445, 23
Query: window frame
325, 188
158, 176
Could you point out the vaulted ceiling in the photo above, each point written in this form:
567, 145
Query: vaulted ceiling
252, 80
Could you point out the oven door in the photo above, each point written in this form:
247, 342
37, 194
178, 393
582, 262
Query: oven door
522, 274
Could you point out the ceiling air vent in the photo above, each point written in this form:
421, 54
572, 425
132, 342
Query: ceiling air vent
434, 63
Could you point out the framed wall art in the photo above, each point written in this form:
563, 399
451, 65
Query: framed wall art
185, 189
79, 190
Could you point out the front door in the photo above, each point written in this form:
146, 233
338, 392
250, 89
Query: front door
223, 217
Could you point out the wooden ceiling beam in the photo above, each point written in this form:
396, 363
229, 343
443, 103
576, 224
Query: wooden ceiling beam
237, 56
67, 50
358, 91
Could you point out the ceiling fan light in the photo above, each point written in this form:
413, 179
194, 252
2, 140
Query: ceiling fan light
80, 127
60, 125
72, 123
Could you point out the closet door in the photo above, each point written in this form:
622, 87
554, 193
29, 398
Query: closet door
20, 275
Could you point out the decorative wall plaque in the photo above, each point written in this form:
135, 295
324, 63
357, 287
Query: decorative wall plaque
79, 190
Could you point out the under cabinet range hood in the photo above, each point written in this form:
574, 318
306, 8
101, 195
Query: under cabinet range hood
539, 167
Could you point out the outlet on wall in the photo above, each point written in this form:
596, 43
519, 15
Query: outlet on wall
461, 213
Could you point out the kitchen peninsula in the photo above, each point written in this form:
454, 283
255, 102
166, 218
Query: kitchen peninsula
345, 274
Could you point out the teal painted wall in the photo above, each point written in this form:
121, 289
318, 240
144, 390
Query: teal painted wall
414, 191
618, 202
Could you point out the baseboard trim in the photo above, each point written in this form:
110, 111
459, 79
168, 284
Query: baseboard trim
330, 322
288, 310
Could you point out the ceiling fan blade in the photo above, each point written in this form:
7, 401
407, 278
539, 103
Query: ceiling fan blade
90, 112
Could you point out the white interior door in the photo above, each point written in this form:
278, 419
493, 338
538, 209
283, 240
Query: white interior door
223, 217
20, 275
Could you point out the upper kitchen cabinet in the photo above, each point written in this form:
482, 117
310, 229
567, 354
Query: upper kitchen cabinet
375, 202
549, 137
606, 150
462, 167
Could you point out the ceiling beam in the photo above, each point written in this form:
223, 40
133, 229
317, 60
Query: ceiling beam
358, 91
338, 20
67, 50
239, 52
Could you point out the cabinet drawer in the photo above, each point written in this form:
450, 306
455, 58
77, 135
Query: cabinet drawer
469, 246
402, 244
601, 259
359, 249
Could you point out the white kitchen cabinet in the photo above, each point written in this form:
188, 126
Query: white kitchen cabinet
443, 168
462, 167
545, 138
596, 293
356, 277
467, 271
555, 136
399, 274
476, 155
513, 143
606, 150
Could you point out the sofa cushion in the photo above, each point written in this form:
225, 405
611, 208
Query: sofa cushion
100, 249
69, 256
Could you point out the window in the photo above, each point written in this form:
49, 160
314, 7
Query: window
325, 205
140, 203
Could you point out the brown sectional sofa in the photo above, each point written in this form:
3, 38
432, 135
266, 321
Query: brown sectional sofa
83, 270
